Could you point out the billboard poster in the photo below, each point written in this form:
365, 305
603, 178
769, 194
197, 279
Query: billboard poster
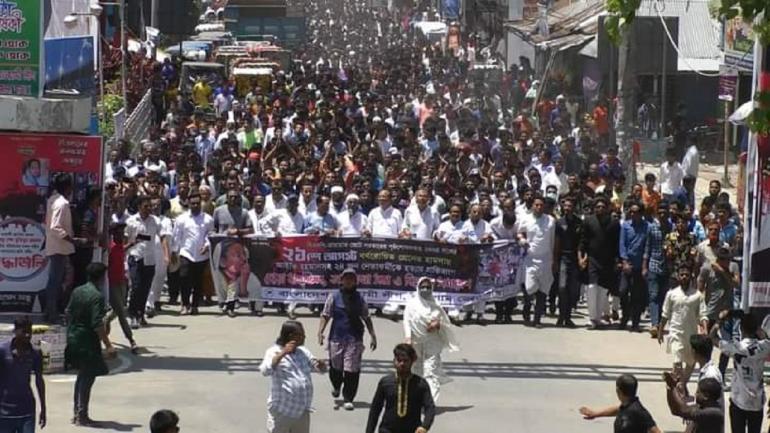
27, 165
306, 269
21, 30
738, 44
69, 64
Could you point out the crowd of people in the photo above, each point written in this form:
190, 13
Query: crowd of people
375, 131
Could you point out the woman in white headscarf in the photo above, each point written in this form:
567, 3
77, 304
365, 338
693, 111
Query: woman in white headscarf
427, 327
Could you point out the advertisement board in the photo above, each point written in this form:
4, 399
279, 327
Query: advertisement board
739, 44
21, 33
27, 164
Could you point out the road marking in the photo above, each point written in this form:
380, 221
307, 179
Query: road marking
125, 363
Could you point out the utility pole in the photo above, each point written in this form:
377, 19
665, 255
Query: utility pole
625, 105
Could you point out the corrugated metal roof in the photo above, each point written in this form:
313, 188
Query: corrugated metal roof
699, 34
569, 25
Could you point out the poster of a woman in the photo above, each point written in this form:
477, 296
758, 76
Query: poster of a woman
233, 278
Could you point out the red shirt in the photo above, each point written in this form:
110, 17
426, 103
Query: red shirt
116, 271
600, 120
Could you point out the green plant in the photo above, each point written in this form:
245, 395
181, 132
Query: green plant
111, 104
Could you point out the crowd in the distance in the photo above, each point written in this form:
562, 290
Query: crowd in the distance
375, 131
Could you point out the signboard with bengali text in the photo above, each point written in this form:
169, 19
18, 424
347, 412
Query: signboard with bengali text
28, 163
21, 32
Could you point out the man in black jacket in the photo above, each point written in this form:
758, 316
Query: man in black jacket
598, 255
409, 407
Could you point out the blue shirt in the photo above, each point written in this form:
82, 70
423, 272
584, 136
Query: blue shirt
728, 233
653, 251
696, 228
633, 240
16, 399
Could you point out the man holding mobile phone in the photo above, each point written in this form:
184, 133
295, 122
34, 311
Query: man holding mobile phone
141, 230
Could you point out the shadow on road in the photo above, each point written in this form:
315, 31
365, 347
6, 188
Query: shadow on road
491, 370
449, 409
113, 426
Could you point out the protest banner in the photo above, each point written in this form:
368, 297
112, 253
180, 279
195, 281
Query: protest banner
27, 164
306, 269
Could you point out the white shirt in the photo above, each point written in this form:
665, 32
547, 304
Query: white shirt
453, 233
289, 224
306, 208
58, 225
337, 212
191, 235
352, 225
166, 231
500, 231
748, 389
541, 235
683, 310
421, 224
144, 249
272, 205
691, 161
384, 223
478, 230
265, 223
670, 177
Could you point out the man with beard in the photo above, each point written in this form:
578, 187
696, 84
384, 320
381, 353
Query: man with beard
231, 218
569, 230
598, 255
276, 199
348, 313
191, 237
352, 221
684, 309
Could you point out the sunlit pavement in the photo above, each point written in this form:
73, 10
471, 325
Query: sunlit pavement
507, 378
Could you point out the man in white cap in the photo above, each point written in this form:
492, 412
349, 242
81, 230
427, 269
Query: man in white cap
338, 205
352, 221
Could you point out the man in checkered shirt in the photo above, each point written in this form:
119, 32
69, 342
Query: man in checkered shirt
291, 389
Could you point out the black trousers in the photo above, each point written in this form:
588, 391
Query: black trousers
347, 381
83, 384
141, 280
191, 275
540, 299
569, 286
504, 309
174, 286
744, 421
633, 297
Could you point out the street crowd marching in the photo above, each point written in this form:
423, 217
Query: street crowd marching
376, 132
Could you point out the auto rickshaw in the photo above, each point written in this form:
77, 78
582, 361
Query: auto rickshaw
213, 73
247, 74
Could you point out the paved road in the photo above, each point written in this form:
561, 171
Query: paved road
507, 378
